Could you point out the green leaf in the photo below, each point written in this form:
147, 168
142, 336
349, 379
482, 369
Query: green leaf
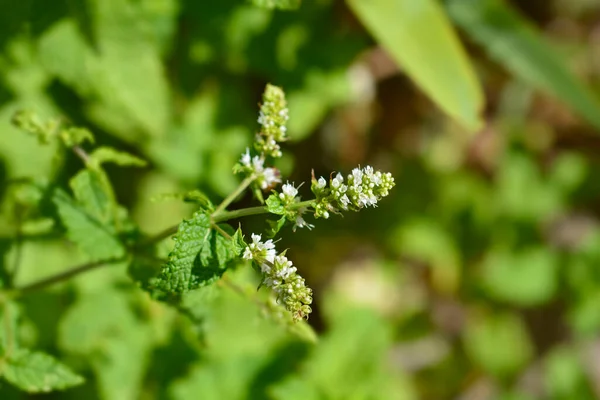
115, 344
275, 226
200, 255
93, 237
280, 4
420, 39
348, 363
38, 372
488, 337
75, 136
128, 98
103, 155
524, 278
88, 188
9, 316
274, 205
514, 43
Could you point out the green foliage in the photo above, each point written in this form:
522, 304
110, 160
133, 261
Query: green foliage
94, 238
280, 4
479, 273
200, 256
37, 372
31, 371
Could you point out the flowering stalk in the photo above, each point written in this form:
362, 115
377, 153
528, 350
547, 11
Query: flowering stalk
281, 276
364, 187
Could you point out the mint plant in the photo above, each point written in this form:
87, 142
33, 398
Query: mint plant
205, 245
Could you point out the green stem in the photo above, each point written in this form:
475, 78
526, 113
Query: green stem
218, 216
242, 212
245, 212
233, 195
69, 273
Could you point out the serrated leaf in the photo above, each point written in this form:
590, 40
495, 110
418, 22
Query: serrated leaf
37, 372
421, 40
514, 43
93, 237
237, 241
200, 256
220, 251
176, 275
103, 155
274, 205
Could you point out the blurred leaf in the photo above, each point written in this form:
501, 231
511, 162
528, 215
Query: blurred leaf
565, 376
512, 41
91, 194
525, 278
421, 40
93, 237
9, 315
115, 344
519, 174
124, 73
103, 155
280, 4
37, 372
348, 363
498, 343
426, 241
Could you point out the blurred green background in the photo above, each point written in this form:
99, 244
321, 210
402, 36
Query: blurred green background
478, 278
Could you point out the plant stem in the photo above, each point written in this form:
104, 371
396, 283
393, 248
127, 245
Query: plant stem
219, 215
242, 212
158, 237
42, 283
245, 212
233, 195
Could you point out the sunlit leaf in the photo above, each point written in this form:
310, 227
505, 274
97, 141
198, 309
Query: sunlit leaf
421, 40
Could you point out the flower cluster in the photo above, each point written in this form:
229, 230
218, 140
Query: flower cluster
364, 187
281, 276
272, 117
265, 177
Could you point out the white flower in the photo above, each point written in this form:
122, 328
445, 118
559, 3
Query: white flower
357, 174
321, 183
289, 190
270, 177
301, 223
283, 267
260, 251
257, 164
337, 181
245, 160
344, 201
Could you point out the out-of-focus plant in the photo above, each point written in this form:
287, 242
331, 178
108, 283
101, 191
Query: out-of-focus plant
477, 276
